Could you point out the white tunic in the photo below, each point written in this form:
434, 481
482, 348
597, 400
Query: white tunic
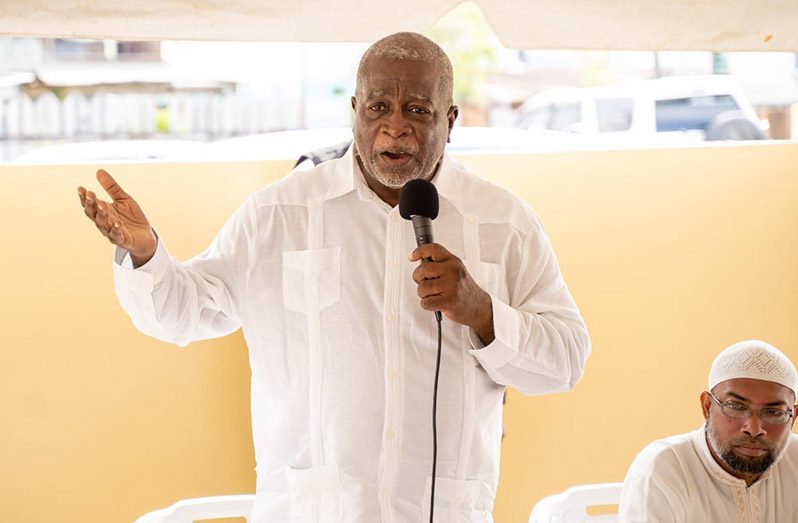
315, 270
676, 479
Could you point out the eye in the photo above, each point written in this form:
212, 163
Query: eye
377, 107
733, 405
774, 413
415, 109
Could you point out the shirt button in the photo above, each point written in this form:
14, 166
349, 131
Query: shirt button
384, 494
391, 375
389, 434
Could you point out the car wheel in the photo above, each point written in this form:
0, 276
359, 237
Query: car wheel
733, 125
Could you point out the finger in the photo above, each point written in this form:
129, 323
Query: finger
434, 303
89, 212
421, 252
112, 231
90, 205
82, 195
428, 270
116, 234
91, 200
429, 288
103, 230
433, 251
104, 215
111, 187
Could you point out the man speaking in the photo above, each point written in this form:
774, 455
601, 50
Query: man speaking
339, 319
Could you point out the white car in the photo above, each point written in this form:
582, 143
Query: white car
670, 110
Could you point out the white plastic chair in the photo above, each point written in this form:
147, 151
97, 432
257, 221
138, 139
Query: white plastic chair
189, 510
571, 505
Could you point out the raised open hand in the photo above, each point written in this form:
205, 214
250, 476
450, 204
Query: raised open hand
122, 221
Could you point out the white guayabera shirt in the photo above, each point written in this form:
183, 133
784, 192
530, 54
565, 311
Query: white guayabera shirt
314, 269
676, 479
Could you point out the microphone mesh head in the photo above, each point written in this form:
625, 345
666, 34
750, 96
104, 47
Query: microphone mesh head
418, 198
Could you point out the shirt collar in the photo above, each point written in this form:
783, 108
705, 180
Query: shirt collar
342, 179
446, 180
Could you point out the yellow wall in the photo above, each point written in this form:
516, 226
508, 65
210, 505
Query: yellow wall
671, 255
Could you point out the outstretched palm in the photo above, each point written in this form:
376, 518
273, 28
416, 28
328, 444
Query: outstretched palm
122, 221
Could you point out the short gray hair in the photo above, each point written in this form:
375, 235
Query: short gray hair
414, 47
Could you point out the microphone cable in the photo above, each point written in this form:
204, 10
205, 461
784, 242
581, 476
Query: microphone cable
435, 420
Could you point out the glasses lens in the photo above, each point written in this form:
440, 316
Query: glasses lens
734, 410
770, 416
775, 417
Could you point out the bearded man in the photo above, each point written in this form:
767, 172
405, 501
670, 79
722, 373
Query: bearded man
742, 465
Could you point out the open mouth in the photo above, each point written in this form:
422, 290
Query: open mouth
396, 157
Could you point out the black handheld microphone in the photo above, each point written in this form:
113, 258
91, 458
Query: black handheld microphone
418, 202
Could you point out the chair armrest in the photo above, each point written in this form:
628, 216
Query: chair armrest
188, 510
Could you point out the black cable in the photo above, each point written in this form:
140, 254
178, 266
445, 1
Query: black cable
434, 420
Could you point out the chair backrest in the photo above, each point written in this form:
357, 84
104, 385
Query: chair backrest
571, 506
189, 510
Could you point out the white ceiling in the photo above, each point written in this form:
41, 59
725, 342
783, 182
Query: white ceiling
719, 25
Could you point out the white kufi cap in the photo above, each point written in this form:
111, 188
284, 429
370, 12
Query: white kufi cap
753, 359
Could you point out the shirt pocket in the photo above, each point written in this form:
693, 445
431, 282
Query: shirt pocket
459, 501
311, 279
300, 495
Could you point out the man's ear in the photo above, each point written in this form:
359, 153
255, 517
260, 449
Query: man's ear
451, 116
706, 402
354, 103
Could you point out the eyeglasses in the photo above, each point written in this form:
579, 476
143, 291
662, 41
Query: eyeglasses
767, 415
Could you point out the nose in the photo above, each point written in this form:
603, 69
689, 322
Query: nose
753, 426
396, 125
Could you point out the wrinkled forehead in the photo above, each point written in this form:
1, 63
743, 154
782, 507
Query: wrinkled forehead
388, 86
413, 78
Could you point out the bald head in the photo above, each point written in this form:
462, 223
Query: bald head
411, 47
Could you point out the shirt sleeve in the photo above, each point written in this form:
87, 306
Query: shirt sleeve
541, 341
653, 491
200, 299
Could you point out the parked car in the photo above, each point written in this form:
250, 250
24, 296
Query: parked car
666, 110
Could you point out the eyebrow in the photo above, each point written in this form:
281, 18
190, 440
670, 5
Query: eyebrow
420, 97
746, 400
377, 93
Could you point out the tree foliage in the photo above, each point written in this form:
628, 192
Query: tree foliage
471, 45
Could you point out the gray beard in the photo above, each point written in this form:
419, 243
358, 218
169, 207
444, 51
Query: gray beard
743, 465
392, 182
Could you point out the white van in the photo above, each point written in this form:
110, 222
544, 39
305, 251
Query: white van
679, 109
